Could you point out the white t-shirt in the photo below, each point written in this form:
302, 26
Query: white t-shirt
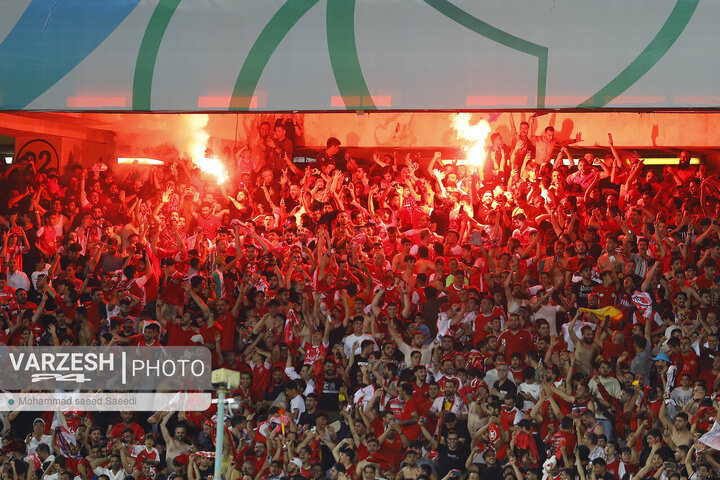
297, 403
533, 389
425, 352
350, 340
34, 442
549, 313
120, 475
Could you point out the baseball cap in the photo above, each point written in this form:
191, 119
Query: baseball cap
662, 356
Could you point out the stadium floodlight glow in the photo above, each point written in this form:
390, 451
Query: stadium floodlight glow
140, 161
669, 161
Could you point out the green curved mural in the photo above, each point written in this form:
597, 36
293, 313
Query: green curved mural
414, 55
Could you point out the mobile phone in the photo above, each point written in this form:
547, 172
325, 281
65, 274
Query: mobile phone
455, 473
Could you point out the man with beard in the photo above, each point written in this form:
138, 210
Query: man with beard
416, 345
328, 385
515, 339
450, 402
683, 172
581, 256
586, 348
263, 146
114, 469
581, 290
520, 144
174, 445
111, 260
179, 333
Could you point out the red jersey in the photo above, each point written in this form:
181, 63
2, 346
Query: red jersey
690, 364
93, 315
227, 324
117, 430
7, 295
563, 438
482, 320
606, 295
178, 337
518, 342
208, 333
173, 292
140, 453
314, 353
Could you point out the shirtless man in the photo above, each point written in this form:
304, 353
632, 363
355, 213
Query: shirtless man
679, 427
587, 348
611, 260
546, 143
411, 470
175, 445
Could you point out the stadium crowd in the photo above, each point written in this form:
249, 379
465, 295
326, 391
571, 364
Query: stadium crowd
548, 315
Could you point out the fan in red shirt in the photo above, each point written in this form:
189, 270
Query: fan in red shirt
226, 320
564, 438
488, 312
689, 362
408, 416
607, 291
178, 334
116, 431
148, 338
317, 349
515, 339
7, 293
173, 293
95, 310
146, 452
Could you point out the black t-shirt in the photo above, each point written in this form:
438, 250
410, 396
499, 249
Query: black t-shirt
308, 418
582, 292
329, 398
490, 473
507, 387
276, 158
450, 460
206, 473
464, 437
274, 392
441, 218
594, 250
352, 374
606, 184
327, 219
290, 203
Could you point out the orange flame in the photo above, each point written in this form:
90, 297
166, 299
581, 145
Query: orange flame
197, 143
213, 166
474, 137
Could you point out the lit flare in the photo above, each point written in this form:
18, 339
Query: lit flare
474, 137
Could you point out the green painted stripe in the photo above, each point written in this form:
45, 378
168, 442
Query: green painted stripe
147, 55
656, 49
263, 48
340, 24
504, 38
